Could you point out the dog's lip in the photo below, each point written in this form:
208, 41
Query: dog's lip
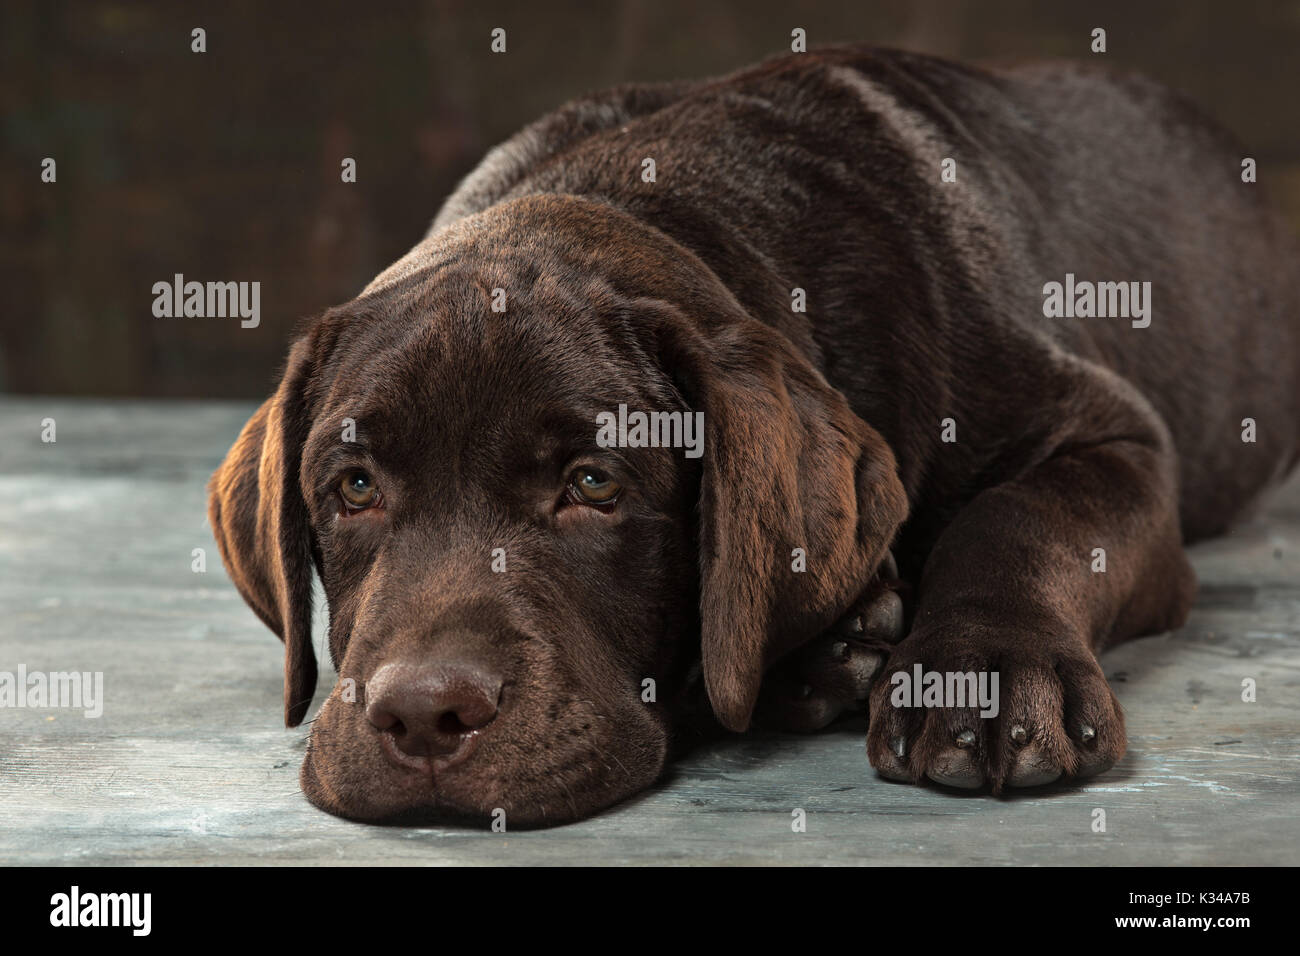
424, 764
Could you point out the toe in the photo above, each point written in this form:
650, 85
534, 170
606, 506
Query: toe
1093, 757
862, 666
1093, 718
957, 768
892, 763
883, 619
1033, 766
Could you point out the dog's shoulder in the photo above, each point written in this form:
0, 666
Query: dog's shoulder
509, 163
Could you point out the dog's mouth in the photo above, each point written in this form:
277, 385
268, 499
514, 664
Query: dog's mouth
445, 797
426, 796
535, 763
428, 764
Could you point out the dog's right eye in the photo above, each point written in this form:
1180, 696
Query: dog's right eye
358, 490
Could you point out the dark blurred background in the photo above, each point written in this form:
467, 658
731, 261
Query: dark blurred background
225, 165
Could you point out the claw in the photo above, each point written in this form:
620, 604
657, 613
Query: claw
899, 746
1087, 734
888, 569
966, 739
1019, 734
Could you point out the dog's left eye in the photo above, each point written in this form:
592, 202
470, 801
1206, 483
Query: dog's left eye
594, 487
358, 490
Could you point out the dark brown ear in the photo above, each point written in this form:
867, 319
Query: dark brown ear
259, 518
786, 465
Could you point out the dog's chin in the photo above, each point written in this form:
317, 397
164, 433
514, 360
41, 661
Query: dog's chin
363, 787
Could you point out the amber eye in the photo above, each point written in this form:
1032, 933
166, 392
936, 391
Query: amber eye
358, 490
594, 487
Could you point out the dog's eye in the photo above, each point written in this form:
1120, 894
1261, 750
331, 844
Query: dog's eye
358, 490
594, 487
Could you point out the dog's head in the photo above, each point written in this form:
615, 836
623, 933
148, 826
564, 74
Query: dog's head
515, 609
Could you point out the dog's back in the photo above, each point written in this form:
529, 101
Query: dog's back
925, 297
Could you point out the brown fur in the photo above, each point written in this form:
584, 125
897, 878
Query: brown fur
822, 429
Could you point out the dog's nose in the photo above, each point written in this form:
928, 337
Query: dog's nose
431, 709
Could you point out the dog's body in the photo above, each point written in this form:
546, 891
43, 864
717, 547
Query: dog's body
923, 400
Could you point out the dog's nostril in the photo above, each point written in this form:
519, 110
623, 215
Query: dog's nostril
450, 724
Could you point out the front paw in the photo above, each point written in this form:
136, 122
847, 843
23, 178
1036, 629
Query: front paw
1047, 713
833, 674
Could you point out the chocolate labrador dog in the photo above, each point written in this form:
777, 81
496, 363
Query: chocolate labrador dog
991, 345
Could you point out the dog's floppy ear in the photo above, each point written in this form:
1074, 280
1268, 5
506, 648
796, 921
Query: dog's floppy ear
786, 465
259, 518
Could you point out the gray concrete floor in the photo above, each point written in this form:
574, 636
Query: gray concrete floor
189, 763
